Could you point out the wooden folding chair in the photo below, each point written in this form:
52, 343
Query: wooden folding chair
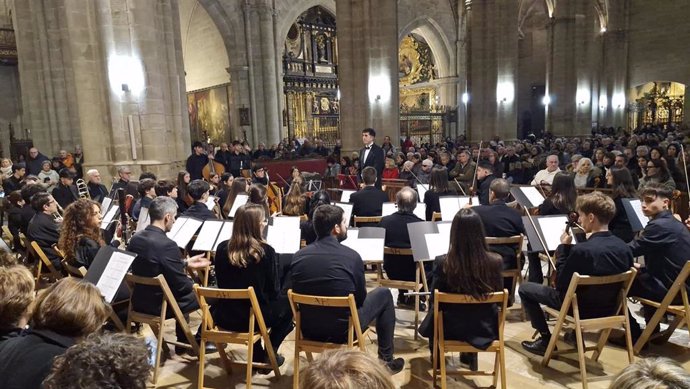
442, 345
436, 216
367, 220
313, 346
211, 333
156, 322
666, 306
618, 319
53, 274
303, 218
9, 236
416, 286
515, 273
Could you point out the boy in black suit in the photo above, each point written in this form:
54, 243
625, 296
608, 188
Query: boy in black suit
371, 155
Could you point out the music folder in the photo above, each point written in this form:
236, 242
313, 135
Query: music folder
450, 205
347, 208
549, 228
345, 195
144, 220
240, 200
633, 208
368, 242
527, 196
109, 217
183, 230
417, 232
438, 243
211, 235
105, 204
108, 270
284, 234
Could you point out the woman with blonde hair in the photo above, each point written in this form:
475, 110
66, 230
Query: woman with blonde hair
345, 369
239, 186
16, 294
5, 168
586, 175
63, 314
295, 201
247, 260
652, 373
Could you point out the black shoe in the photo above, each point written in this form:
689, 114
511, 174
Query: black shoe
536, 347
471, 360
266, 370
210, 348
396, 365
620, 341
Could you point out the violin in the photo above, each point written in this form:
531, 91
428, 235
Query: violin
577, 232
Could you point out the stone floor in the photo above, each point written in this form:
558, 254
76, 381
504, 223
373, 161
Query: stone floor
523, 369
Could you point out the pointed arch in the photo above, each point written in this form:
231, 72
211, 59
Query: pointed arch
440, 46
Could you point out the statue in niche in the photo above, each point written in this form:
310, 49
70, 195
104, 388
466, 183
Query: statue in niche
321, 48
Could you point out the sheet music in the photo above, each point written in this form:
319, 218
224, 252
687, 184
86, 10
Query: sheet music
345, 196
420, 211
240, 200
144, 220
637, 207
450, 205
438, 243
225, 234
551, 229
370, 249
388, 209
109, 217
114, 273
211, 202
532, 194
421, 189
206, 239
348, 210
105, 205
179, 222
284, 234
186, 232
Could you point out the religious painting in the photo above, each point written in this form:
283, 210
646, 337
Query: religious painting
415, 62
209, 112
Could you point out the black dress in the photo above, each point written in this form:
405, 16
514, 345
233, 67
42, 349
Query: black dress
431, 199
620, 225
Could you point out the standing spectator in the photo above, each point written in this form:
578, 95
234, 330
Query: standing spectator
35, 161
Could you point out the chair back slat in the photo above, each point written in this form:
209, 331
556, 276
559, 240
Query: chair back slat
397, 251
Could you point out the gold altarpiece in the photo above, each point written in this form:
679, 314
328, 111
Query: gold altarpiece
656, 103
310, 77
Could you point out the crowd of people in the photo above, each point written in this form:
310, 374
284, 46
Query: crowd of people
48, 339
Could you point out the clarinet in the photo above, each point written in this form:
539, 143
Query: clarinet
123, 214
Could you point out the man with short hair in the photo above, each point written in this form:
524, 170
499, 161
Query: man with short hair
485, 175
43, 229
166, 188
157, 254
125, 182
14, 182
65, 191
327, 268
197, 161
198, 190
425, 172
400, 267
97, 190
463, 171
35, 161
369, 200
603, 254
259, 175
371, 155
147, 192
546, 176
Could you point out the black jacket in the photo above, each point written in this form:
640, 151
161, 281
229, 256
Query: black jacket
483, 190
18, 221
195, 164
44, 231
97, 191
398, 267
327, 268
158, 254
431, 199
200, 211
501, 221
263, 276
368, 201
11, 184
482, 329
620, 225
603, 254
549, 208
25, 361
376, 159
665, 244
65, 195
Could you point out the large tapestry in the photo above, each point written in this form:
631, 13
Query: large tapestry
209, 114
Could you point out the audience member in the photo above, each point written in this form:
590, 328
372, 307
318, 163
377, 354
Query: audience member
16, 295
345, 369
652, 373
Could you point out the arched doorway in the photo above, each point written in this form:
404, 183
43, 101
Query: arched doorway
310, 77
656, 103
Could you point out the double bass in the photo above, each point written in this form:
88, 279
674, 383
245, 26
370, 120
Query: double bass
212, 167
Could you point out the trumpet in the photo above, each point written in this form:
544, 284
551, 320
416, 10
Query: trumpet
57, 216
83, 189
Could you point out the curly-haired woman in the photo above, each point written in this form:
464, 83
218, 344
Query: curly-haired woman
80, 235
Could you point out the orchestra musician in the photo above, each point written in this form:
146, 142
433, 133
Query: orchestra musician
43, 229
257, 195
307, 227
166, 188
501, 221
247, 260
224, 188
183, 200
295, 201
198, 190
197, 161
147, 192
327, 268
665, 243
124, 182
438, 186
371, 156
259, 175
601, 254
97, 191
485, 175
401, 267
239, 186
546, 176
214, 183
65, 192
80, 235
621, 182
369, 200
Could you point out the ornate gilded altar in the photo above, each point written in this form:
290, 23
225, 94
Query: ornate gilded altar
657, 103
310, 77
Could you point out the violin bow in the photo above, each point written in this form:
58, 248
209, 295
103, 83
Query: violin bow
541, 241
685, 166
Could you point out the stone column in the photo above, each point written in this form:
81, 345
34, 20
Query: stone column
492, 69
271, 131
368, 69
105, 44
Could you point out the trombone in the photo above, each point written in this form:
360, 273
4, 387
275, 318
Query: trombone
83, 189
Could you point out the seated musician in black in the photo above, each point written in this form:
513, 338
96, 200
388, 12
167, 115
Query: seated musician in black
502, 221
147, 192
401, 267
665, 244
602, 254
247, 260
468, 268
80, 235
369, 200
199, 191
43, 229
485, 176
307, 227
327, 268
